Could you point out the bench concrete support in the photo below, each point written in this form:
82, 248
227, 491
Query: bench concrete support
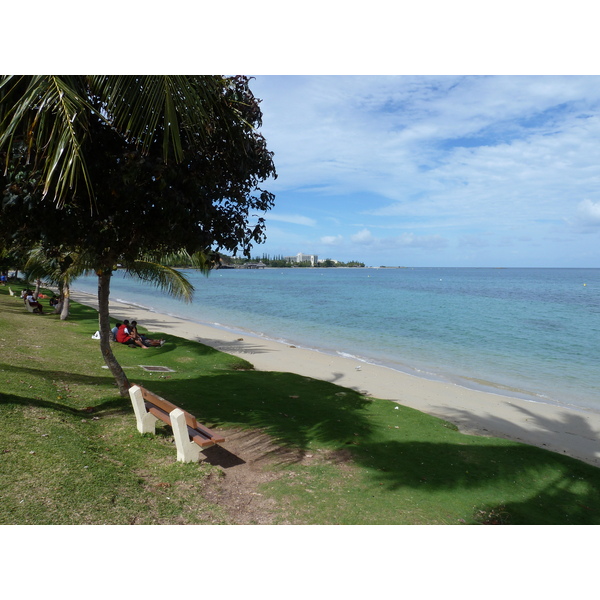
146, 422
187, 451
31, 309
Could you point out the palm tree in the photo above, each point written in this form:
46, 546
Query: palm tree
61, 268
149, 270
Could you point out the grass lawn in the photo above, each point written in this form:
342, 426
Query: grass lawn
71, 454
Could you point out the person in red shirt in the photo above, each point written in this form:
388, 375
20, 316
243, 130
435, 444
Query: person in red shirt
124, 336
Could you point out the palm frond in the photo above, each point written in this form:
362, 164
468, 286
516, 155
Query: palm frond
140, 106
165, 278
59, 267
201, 260
50, 114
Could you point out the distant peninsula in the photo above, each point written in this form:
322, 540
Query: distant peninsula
300, 260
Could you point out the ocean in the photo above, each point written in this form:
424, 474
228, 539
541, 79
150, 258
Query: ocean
527, 333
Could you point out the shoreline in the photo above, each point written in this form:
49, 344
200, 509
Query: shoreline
569, 431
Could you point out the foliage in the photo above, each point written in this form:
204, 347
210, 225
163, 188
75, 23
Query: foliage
54, 115
142, 202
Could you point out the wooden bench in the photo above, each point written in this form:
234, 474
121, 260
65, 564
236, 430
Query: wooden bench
191, 437
31, 309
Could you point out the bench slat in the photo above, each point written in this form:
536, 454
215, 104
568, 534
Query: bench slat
167, 406
217, 439
199, 439
198, 436
157, 412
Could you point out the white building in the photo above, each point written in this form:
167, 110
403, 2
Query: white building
312, 258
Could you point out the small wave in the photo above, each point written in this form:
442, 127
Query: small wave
135, 304
354, 357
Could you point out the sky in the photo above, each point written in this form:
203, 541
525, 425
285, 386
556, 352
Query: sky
426, 170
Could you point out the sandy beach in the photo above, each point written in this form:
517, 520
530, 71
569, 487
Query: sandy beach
575, 433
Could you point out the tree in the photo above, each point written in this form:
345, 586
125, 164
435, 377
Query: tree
133, 168
59, 268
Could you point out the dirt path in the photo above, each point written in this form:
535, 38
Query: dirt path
250, 459
246, 463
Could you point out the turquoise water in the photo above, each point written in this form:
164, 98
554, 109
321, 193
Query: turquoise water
531, 333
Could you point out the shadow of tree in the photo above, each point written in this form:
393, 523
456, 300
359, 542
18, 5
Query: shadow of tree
239, 346
529, 484
113, 406
63, 375
547, 432
314, 412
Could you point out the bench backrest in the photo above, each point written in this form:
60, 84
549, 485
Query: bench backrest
167, 406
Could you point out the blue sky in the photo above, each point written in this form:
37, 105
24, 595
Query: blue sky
434, 170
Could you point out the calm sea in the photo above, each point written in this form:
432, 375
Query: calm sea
530, 333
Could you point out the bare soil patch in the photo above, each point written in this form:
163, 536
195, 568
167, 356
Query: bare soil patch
250, 460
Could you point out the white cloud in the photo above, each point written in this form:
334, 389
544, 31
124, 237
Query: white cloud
363, 237
332, 240
473, 241
404, 240
294, 219
410, 240
588, 213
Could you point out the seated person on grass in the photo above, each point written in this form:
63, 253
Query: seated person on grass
124, 336
146, 341
113, 332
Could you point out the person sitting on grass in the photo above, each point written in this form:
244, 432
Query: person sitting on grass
146, 341
124, 336
113, 332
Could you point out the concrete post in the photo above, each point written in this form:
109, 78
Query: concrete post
146, 422
187, 451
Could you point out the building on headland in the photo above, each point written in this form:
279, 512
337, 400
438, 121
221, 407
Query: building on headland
313, 259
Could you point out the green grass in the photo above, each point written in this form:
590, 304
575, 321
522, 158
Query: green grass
70, 451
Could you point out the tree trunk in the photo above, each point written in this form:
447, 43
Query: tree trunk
104, 323
64, 311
